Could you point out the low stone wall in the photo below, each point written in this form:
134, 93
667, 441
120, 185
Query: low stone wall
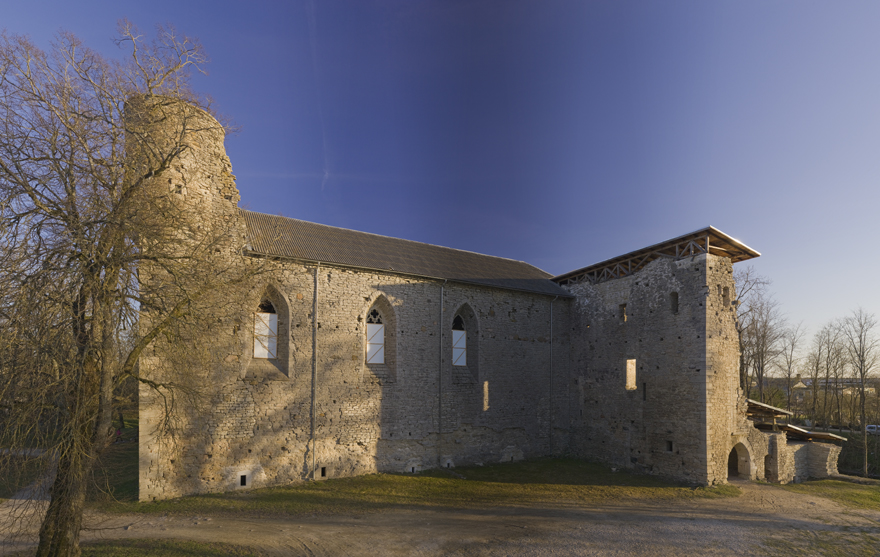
797, 461
823, 460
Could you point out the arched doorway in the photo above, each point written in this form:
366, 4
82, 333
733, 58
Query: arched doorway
739, 463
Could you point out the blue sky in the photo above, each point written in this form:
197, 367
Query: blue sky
560, 133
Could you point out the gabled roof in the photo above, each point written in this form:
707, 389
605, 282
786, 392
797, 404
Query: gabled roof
311, 242
708, 239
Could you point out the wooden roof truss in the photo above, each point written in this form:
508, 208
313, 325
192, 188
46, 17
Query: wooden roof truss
707, 240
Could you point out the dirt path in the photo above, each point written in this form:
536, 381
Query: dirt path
764, 520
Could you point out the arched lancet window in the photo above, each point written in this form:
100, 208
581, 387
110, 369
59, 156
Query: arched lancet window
465, 347
266, 331
375, 338
459, 342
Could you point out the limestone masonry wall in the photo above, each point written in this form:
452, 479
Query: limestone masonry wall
685, 413
368, 418
660, 425
640, 371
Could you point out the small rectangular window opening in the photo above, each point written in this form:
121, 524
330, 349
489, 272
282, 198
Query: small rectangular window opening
673, 302
485, 396
621, 313
644, 391
631, 375
413, 469
669, 446
323, 472
725, 296
243, 480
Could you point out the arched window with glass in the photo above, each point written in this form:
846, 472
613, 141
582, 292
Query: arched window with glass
375, 338
459, 342
266, 331
380, 340
465, 345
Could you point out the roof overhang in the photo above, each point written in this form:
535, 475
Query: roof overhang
760, 410
706, 240
799, 433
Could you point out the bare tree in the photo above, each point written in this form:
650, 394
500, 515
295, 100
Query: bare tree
763, 335
813, 364
789, 358
862, 350
88, 150
749, 286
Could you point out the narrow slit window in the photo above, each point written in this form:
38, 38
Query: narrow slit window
375, 338
266, 331
725, 296
631, 375
485, 396
621, 313
459, 342
673, 302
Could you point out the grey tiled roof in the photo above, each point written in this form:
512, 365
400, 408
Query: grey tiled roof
308, 241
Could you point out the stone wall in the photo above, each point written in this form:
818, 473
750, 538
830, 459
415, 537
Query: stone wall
823, 460
640, 371
726, 422
686, 413
402, 416
797, 461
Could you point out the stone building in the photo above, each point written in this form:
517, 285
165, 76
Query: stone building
356, 353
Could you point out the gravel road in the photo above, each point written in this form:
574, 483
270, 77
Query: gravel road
764, 520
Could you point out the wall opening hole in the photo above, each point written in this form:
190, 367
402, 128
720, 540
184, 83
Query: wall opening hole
644, 391
323, 472
621, 313
669, 446
413, 469
631, 375
243, 480
673, 302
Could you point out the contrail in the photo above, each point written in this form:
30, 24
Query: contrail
313, 41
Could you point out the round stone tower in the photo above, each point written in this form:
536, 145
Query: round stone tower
177, 149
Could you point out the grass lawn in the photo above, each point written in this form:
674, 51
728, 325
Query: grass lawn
849, 494
549, 481
556, 482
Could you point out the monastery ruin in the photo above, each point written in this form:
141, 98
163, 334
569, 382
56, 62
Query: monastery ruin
357, 353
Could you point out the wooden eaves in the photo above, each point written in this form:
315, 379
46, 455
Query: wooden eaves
760, 410
706, 240
799, 433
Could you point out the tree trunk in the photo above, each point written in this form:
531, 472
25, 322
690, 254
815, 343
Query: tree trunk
91, 400
864, 427
59, 534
